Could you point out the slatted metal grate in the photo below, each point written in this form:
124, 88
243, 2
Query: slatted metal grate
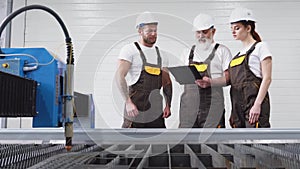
152, 156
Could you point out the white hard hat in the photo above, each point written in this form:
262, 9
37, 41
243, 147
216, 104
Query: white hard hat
241, 14
145, 18
203, 22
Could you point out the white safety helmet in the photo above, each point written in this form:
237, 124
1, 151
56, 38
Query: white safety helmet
241, 14
203, 22
144, 19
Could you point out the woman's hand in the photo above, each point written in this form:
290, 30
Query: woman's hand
204, 82
254, 113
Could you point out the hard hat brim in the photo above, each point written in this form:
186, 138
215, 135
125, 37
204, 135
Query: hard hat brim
242, 20
143, 24
202, 28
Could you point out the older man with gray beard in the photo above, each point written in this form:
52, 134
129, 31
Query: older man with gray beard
204, 107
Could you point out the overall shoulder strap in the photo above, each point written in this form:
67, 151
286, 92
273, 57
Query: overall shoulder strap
141, 52
158, 57
251, 49
212, 54
191, 56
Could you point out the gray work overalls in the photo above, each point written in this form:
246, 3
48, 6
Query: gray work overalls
244, 90
202, 107
145, 94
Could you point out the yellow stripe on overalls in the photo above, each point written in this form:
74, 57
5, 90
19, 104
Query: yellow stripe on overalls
237, 61
201, 67
152, 70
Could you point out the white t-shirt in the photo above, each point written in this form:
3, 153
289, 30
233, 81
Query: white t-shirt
131, 54
260, 52
219, 63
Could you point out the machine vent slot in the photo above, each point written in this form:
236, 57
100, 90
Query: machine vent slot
17, 96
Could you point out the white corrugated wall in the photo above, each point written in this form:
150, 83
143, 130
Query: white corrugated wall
100, 27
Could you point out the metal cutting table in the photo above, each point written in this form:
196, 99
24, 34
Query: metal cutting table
151, 148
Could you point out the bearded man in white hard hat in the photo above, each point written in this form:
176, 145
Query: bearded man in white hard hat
141, 75
203, 107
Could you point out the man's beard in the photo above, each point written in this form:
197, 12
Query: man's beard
148, 41
204, 43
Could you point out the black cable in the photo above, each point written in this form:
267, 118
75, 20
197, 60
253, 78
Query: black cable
70, 57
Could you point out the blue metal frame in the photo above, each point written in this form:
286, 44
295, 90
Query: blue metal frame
48, 76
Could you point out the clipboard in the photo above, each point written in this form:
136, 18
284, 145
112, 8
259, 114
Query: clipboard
185, 74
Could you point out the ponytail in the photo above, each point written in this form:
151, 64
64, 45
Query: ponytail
254, 34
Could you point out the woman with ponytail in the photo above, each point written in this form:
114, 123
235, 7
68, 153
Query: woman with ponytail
249, 74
